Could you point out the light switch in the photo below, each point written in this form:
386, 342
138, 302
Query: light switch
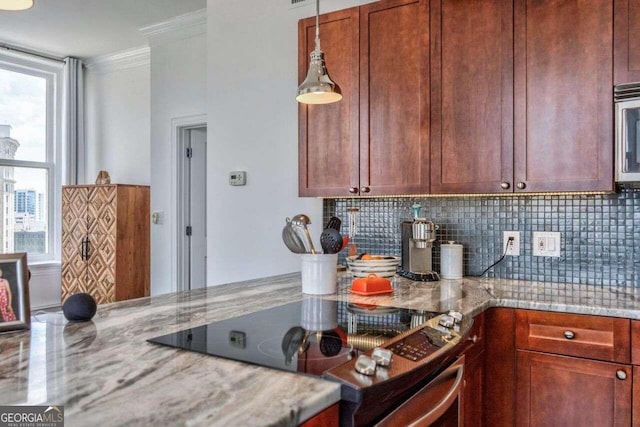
546, 243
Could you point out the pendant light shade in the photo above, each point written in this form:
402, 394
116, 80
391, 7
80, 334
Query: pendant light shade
16, 4
317, 87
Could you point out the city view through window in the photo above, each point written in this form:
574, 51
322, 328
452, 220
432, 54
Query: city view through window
23, 147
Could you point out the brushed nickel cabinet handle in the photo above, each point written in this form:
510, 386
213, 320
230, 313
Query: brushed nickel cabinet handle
569, 335
505, 185
521, 185
365, 189
353, 190
621, 375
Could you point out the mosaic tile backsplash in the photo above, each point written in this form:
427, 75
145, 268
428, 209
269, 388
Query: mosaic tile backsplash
600, 234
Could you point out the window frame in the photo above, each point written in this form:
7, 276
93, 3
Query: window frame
52, 71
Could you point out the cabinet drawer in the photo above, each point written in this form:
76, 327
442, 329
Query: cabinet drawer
602, 338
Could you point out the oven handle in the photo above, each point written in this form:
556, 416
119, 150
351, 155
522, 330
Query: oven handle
411, 413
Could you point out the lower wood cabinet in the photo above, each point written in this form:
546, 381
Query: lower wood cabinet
326, 418
472, 393
571, 391
558, 369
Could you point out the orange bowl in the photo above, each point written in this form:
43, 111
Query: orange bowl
371, 285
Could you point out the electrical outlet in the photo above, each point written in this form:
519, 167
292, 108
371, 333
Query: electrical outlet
513, 247
546, 243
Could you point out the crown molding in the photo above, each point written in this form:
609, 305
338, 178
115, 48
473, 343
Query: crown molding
180, 27
122, 60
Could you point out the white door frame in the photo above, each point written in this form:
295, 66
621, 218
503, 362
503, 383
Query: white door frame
179, 244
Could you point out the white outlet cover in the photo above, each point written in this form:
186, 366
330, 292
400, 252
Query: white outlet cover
514, 249
546, 243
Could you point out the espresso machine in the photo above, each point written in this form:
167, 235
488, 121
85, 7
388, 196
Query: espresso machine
417, 248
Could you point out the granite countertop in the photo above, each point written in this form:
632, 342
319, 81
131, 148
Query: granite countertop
105, 373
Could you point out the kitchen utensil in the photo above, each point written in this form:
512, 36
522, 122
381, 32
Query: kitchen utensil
352, 215
301, 221
331, 241
292, 240
334, 222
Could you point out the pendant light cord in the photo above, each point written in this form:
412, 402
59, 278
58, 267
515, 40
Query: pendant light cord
318, 25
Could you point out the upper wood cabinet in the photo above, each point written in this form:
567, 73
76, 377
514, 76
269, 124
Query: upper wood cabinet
466, 96
376, 140
563, 62
472, 95
522, 99
626, 49
328, 134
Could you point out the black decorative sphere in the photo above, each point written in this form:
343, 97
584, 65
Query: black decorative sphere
79, 307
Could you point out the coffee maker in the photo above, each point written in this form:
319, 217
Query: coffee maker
417, 248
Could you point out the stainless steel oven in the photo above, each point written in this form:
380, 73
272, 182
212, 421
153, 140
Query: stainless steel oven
627, 118
437, 404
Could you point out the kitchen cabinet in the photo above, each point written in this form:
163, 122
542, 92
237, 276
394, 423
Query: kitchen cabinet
376, 140
530, 112
328, 134
563, 115
500, 368
563, 361
561, 390
474, 374
105, 241
328, 417
472, 93
635, 360
626, 48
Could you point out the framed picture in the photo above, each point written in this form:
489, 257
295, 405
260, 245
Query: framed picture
15, 311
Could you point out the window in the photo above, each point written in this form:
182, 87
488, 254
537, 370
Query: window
29, 176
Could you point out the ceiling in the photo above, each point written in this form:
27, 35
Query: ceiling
88, 28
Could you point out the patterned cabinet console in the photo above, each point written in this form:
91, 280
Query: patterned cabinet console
105, 241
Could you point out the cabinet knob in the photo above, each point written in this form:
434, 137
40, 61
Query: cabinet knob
621, 375
364, 189
505, 185
473, 339
353, 190
521, 185
569, 335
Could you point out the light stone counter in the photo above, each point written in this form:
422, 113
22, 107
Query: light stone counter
105, 373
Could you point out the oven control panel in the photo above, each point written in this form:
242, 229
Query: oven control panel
420, 344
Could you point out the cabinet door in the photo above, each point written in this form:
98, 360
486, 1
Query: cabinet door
563, 95
328, 134
569, 391
101, 214
626, 48
74, 230
472, 95
394, 97
472, 393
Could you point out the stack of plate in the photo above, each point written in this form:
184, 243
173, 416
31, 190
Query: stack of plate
383, 266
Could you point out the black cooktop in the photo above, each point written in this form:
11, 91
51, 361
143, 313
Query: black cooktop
309, 336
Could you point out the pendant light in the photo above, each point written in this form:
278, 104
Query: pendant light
317, 87
16, 4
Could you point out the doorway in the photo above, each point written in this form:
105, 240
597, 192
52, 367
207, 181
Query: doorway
192, 207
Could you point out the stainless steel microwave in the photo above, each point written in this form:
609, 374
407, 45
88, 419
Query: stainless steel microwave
627, 117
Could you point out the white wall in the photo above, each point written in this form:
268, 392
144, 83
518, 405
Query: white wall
178, 82
118, 124
252, 113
